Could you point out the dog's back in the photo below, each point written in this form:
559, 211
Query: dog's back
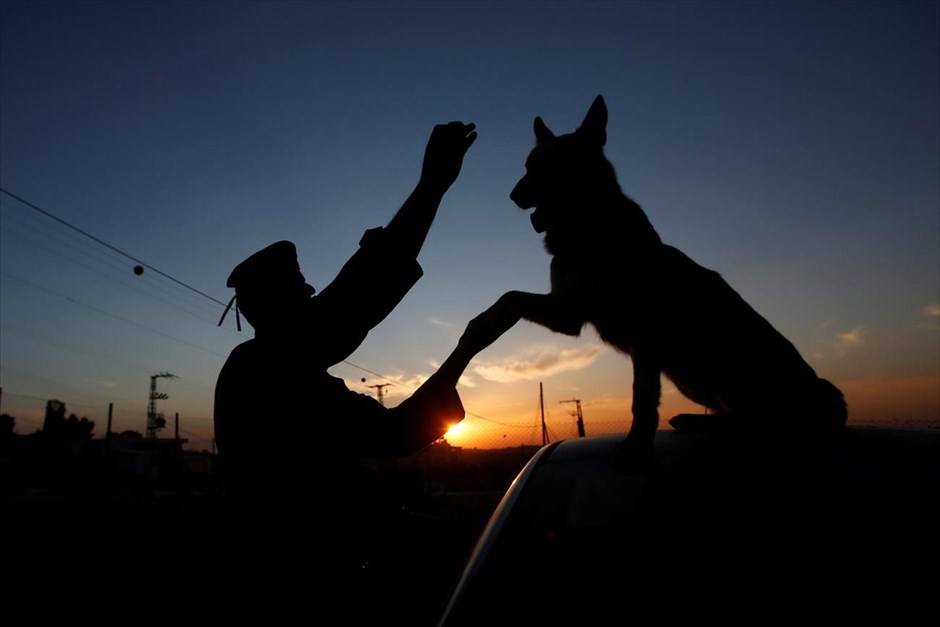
611, 269
723, 354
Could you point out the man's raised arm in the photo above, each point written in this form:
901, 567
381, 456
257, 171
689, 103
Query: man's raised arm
443, 158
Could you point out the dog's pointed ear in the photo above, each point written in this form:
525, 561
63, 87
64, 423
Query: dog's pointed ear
541, 131
594, 126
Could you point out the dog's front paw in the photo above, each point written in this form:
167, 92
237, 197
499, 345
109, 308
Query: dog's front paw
634, 454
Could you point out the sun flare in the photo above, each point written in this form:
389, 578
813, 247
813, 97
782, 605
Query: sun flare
456, 430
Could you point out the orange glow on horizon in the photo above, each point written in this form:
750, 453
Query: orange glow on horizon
455, 431
497, 422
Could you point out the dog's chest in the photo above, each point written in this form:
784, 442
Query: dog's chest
619, 304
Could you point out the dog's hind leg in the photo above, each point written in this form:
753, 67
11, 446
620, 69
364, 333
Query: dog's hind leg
647, 390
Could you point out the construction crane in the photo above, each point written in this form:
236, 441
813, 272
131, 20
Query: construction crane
156, 421
577, 414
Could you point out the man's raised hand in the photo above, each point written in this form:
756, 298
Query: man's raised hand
443, 156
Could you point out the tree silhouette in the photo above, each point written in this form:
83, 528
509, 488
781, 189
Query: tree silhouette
7, 423
79, 428
55, 425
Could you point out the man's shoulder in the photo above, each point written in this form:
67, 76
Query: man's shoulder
244, 350
279, 361
248, 355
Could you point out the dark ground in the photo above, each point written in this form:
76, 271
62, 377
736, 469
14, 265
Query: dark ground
112, 547
123, 545
167, 553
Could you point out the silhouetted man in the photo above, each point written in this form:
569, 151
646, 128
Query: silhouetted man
291, 437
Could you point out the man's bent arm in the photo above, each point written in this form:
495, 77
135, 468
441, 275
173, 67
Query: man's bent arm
435, 406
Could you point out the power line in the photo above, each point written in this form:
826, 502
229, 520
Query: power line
100, 272
107, 245
112, 315
132, 258
97, 240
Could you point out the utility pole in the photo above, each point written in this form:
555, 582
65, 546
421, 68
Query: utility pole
542, 405
156, 421
107, 435
379, 390
577, 414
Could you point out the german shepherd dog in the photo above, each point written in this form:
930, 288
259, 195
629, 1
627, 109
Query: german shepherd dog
650, 301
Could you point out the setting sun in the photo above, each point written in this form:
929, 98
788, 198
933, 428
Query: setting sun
455, 430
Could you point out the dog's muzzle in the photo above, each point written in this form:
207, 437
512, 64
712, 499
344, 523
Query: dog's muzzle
518, 196
539, 221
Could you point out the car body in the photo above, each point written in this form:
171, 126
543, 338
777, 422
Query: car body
794, 522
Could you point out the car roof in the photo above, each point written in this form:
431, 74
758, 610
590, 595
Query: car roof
576, 531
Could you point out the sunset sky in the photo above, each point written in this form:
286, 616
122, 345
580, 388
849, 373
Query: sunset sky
794, 147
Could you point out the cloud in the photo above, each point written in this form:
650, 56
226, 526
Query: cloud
441, 323
932, 315
466, 381
396, 388
852, 338
849, 340
541, 363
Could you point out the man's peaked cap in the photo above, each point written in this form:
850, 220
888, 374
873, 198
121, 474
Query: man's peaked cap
273, 267
270, 269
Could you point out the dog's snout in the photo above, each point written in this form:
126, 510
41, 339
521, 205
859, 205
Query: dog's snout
519, 196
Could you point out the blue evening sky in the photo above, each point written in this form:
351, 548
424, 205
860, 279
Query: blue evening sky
794, 147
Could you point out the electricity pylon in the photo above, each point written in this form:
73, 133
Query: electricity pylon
156, 421
379, 390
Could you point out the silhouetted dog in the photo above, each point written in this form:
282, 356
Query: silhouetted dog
610, 269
